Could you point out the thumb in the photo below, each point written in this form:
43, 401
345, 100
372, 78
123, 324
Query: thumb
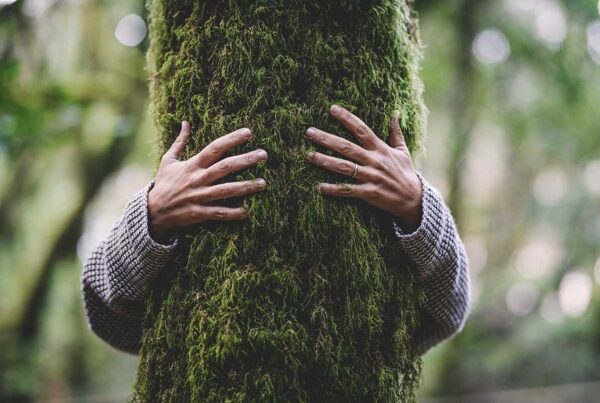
176, 149
396, 136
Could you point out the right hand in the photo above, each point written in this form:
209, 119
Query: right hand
183, 190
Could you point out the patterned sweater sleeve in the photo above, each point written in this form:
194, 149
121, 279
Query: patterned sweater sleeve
117, 274
437, 252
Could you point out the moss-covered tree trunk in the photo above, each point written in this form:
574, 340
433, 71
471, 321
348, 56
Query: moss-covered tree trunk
311, 298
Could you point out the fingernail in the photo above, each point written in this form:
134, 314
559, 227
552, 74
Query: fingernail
246, 133
310, 132
396, 114
185, 125
261, 182
309, 154
262, 154
335, 109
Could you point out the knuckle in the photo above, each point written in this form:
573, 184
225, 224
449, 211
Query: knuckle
224, 166
345, 188
346, 147
216, 148
345, 167
220, 213
362, 130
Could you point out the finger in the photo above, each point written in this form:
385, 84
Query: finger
396, 136
220, 213
362, 132
341, 166
220, 146
176, 149
343, 189
233, 164
339, 144
231, 189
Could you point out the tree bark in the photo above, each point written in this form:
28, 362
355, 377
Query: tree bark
311, 298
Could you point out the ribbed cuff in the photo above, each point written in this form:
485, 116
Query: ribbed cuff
421, 245
139, 219
149, 255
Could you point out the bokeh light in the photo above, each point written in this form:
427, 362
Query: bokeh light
131, 30
522, 5
550, 23
37, 8
540, 255
575, 293
491, 47
550, 186
593, 40
521, 298
591, 177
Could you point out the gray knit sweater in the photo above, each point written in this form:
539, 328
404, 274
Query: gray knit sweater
117, 275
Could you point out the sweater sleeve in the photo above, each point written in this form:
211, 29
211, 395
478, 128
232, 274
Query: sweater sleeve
436, 250
116, 276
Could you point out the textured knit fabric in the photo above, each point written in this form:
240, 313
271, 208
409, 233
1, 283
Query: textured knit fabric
117, 275
439, 256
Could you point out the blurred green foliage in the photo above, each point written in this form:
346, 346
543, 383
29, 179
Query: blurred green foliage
513, 88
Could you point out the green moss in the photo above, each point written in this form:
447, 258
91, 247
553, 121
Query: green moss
311, 299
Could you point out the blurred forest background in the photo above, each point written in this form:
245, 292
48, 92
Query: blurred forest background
513, 88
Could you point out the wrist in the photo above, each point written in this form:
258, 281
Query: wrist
409, 218
159, 230
410, 212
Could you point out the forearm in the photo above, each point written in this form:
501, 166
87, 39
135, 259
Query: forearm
119, 330
117, 275
439, 257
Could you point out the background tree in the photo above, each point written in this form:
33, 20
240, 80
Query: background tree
311, 299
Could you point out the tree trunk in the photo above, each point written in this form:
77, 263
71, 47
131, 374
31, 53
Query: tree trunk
311, 298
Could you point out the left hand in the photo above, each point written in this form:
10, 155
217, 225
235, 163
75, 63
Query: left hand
386, 175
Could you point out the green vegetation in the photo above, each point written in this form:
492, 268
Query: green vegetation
311, 298
512, 143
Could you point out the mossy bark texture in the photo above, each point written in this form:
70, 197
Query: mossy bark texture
310, 298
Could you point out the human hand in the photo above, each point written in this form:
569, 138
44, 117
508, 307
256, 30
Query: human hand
183, 190
386, 174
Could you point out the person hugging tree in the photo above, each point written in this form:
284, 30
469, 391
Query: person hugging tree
300, 257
